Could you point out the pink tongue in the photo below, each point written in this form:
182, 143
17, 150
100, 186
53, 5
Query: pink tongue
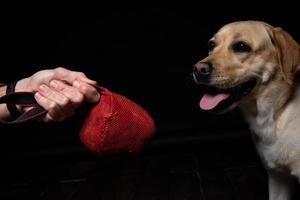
209, 101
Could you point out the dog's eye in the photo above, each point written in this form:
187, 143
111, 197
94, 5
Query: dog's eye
241, 47
211, 45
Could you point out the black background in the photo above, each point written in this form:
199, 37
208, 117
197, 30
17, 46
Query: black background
145, 52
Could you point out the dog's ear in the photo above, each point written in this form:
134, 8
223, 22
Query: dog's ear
288, 53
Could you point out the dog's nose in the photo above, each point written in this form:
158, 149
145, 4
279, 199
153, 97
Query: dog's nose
202, 70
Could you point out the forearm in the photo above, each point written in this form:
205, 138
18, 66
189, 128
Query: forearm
3, 109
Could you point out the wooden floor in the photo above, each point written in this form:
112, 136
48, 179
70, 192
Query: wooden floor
205, 175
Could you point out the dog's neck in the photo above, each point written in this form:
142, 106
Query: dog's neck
261, 111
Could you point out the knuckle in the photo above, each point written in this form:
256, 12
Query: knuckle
59, 70
79, 98
84, 89
64, 101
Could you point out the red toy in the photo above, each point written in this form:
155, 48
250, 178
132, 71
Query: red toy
113, 126
116, 125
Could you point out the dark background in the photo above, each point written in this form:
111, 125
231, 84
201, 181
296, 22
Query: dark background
145, 52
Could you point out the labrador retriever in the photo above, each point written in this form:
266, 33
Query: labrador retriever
253, 65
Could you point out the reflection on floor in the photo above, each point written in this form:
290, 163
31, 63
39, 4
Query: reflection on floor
201, 175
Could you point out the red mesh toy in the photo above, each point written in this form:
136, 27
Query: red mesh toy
114, 125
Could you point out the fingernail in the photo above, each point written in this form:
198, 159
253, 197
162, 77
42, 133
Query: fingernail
54, 84
76, 84
37, 95
43, 89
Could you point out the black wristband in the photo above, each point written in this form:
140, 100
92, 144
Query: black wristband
12, 108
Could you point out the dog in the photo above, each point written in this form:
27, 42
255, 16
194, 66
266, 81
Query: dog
254, 66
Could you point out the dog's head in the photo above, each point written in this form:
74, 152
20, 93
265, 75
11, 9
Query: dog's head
245, 57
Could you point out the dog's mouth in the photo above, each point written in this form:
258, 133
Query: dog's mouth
216, 99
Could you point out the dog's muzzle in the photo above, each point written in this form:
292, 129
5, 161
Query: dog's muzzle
202, 71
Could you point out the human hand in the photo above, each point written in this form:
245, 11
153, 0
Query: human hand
59, 91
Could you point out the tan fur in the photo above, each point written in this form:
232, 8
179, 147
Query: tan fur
272, 109
288, 53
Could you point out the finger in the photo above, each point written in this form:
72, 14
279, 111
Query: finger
59, 99
54, 112
73, 94
90, 93
87, 80
70, 76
